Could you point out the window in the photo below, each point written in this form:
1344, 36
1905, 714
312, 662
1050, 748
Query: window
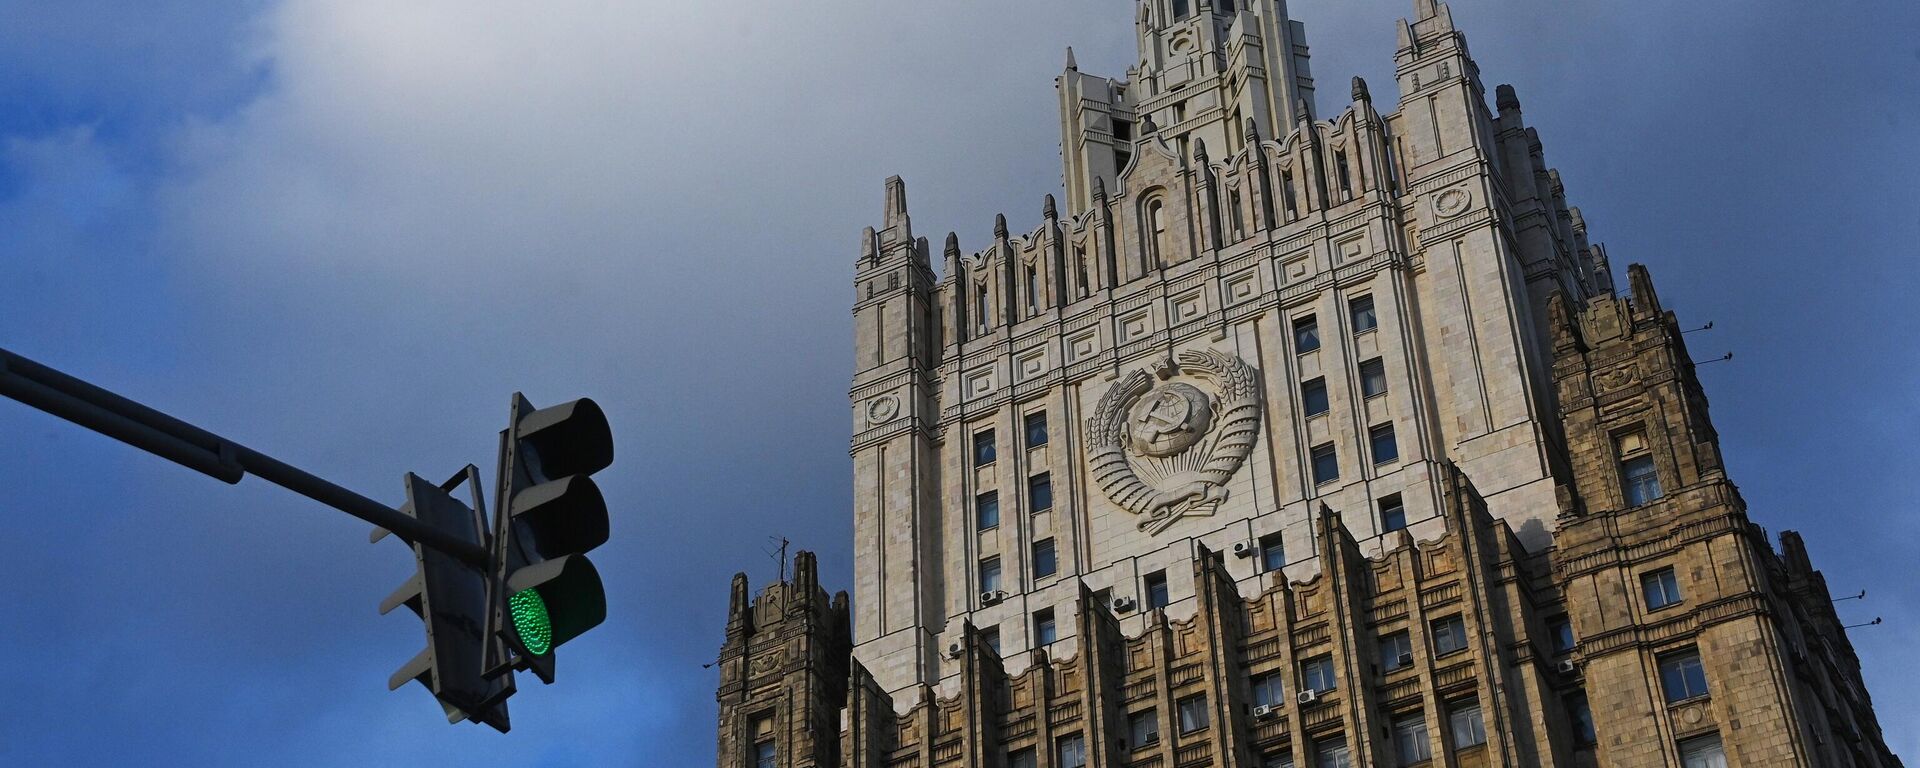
1226, 6
1277, 760
1071, 751
1313, 397
1157, 590
1682, 676
1046, 561
1036, 424
1268, 690
1045, 631
1318, 675
980, 319
1273, 553
991, 636
1040, 492
1396, 651
1703, 752
1326, 467
1143, 728
1410, 739
1661, 589
1560, 633
1364, 319
1033, 290
1640, 481
1193, 713
1582, 717
1286, 191
983, 448
1236, 220
1332, 754
1385, 448
990, 574
1180, 8
1373, 378
1123, 130
986, 510
1156, 232
1306, 335
1023, 759
766, 751
1468, 729
1393, 514
1346, 174
1449, 635
1080, 279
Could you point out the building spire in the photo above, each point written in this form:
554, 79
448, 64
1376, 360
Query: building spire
1071, 64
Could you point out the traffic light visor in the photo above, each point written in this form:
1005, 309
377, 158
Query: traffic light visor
566, 439
555, 601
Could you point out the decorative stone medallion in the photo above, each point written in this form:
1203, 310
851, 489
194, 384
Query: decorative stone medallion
1164, 451
1452, 202
882, 409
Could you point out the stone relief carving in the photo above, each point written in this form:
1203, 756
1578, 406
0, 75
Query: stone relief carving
1165, 450
882, 409
1452, 202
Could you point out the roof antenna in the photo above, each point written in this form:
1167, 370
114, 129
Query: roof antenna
1707, 327
1861, 596
781, 555
1720, 359
1876, 621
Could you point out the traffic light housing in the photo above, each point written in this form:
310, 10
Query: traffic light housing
550, 514
451, 598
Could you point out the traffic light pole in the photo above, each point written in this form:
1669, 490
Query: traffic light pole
210, 454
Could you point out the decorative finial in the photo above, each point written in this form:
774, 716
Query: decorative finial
1504, 98
869, 245
1147, 126
1071, 64
953, 245
1360, 92
1099, 188
1253, 131
1200, 150
1048, 209
1000, 225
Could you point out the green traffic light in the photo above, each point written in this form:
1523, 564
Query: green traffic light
530, 620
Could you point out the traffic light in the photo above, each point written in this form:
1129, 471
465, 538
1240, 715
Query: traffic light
551, 513
451, 599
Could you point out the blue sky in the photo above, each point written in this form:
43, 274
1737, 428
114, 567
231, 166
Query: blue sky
343, 232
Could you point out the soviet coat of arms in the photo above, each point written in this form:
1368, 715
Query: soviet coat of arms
1163, 445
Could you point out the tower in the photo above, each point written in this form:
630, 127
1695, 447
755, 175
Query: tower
1294, 440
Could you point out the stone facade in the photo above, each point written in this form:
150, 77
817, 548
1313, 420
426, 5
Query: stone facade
1296, 440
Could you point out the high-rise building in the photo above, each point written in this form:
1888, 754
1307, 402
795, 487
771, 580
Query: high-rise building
1286, 441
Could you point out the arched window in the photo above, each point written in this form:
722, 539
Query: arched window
980, 309
1156, 233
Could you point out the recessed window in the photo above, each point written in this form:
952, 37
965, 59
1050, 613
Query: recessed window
1364, 319
1045, 631
983, 453
1143, 728
1040, 492
986, 510
1346, 174
1449, 635
1385, 448
1046, 561
1410, 743
1273, 553
1268, 690
1639, 479
991, 636
1661, 588
980, 309
1703, 752
1582, 717
1193, 713
1373, 378
1468, 729
1681, 675
1332, 754
1326, 467
1036, 424
1306, 335
1287, 192
1024, 758
1393, 514
766, 751
1181, 8
1071, 750
990, 574
1156, 584
1276, 760
1560, 633
1156, 232
1396, 651
1317, 674
1033, 290
1313, 397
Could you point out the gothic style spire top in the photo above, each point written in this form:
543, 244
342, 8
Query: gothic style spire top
1360, 92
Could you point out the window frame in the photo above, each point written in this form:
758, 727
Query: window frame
1317, 667
1392, 647
990, 565
1332, 455
1306, 324
1155, 591
985, 451
1138, 736
1039, 485
1469, 714
1355, 312
1454, 629
1375, 435
1370, 370
1682, 662
1391, 505
1267, 689
1410, 728
1027, 423
1043, 619
1196, 706
1312, 390
1052, 559
983, 502
1060, 752
1668, 581
1272, 546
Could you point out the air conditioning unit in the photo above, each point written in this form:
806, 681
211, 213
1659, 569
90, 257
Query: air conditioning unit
1123, 604
1567, 667
1265, 711
955, 649
1245, 549
992, 596
1309, 697
1406, 660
